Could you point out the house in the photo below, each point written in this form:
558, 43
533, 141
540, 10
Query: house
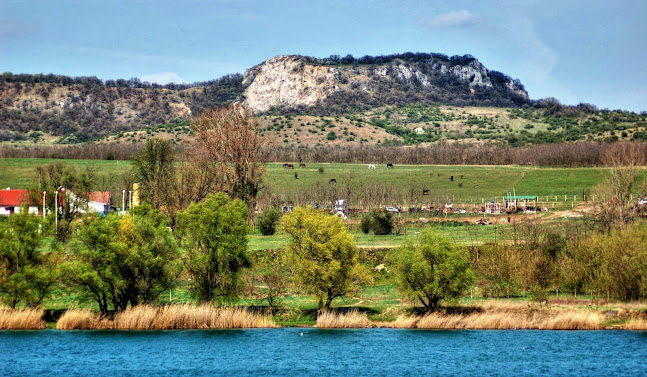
419, 130
99, 201
11, 200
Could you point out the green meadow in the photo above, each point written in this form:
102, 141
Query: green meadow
470, 182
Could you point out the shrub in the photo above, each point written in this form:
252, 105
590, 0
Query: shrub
382, 222
365, 224
268, 221
331, 135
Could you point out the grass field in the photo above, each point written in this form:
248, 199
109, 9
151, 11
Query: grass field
471, 183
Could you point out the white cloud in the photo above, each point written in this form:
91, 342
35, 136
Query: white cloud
461, 18
163, 78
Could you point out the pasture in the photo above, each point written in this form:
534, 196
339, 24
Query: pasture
356, 181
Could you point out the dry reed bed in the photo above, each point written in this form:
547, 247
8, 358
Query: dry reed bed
350, 320
21, 319
183, 316
504, 316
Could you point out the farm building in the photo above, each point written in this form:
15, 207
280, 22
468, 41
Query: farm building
493, 208
99, 201
11, 200
515, 203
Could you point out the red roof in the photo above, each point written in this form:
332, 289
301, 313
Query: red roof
99, 196
13, 198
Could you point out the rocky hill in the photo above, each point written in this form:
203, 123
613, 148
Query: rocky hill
296, 82
84, 108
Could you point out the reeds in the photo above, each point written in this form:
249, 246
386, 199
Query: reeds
507, 318
636, 324
184, 316
350, 320
21, 319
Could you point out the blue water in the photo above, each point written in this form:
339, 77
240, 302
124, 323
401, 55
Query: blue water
305, 352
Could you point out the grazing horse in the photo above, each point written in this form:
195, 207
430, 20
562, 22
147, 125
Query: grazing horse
285, 165
302, 165
290, 166
389, 166
425, 192
371, 166
332, 180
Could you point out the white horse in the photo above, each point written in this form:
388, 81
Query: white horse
371, 166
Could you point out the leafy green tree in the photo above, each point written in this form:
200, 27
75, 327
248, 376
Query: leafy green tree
331, 135
431, 270
322, 253
268, 221
26, 272
214, 233
119, 260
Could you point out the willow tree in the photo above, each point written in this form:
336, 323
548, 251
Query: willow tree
214, 233
322, 254
432, 269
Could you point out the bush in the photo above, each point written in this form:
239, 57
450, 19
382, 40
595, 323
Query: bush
365, 225
382, 222
268, 221
331, 135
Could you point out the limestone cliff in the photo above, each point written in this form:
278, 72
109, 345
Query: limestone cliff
296, 81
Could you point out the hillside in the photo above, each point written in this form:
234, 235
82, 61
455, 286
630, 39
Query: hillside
84, 108
303, 101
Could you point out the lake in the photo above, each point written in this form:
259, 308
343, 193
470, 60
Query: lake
308, 351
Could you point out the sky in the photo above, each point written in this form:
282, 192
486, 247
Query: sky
589, 51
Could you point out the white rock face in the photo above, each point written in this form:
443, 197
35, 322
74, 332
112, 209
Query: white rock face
288, 80
292, 81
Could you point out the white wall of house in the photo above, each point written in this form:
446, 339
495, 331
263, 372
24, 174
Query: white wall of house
8, 210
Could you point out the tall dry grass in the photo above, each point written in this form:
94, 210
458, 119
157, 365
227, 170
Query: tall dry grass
350, 320
636, 324
507, 317
182, 316
21, 319
80, 319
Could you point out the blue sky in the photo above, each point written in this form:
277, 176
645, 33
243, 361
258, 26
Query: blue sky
577, 51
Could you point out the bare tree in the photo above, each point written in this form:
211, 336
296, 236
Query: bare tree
228, 140
615, 205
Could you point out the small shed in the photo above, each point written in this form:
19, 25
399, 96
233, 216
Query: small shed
493, 208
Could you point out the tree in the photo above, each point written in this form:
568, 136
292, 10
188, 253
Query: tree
615, 206
214, 233
155, 170
431, 270
227, 137
121, 260
72, 186
322, 253
614, 263
26, 272
498, 267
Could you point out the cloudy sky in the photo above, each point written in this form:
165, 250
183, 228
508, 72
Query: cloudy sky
577, 51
